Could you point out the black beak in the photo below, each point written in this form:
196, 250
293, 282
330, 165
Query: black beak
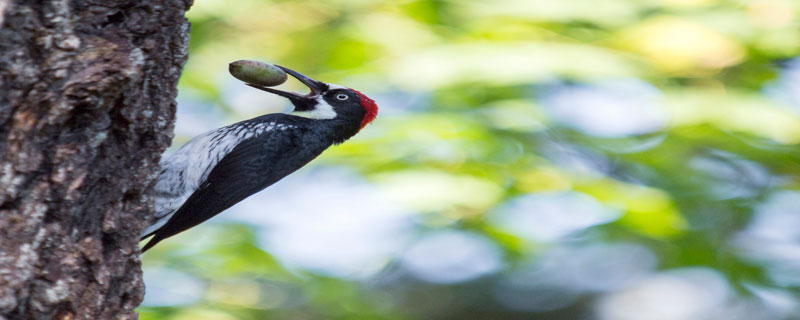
300, 102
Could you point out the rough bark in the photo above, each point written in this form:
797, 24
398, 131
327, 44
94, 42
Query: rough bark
87, 103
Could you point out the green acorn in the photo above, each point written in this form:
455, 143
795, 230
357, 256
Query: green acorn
257, 72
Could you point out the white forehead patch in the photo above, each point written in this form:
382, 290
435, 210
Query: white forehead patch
332, 86
322, 110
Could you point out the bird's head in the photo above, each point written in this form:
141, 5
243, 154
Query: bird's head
327, 101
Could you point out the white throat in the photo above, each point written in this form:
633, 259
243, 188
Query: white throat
322, 111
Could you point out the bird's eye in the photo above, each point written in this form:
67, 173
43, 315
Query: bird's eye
342, 97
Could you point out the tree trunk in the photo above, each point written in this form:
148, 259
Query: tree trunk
87, 103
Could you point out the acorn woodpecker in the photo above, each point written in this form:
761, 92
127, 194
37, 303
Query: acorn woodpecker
219, 168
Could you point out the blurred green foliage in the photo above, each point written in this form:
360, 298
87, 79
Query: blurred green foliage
680, 117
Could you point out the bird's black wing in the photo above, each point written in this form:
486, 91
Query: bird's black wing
250, 167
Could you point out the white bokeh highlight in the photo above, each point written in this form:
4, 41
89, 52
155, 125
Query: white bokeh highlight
451, 257
610, 109
546, 217
773, 237
787, 87
683, 294
732, 176
170, 287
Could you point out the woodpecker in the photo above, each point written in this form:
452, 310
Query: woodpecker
219, 168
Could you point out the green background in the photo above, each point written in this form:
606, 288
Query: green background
532, 159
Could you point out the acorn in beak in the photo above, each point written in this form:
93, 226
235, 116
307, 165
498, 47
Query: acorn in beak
301, 102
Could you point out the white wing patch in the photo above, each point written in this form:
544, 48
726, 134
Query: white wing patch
183, 171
